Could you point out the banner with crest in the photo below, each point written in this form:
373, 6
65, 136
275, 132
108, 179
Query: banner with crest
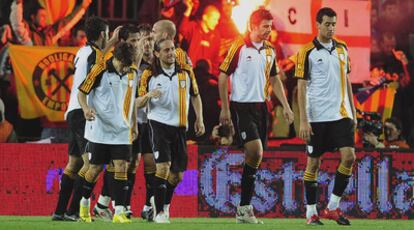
43, 78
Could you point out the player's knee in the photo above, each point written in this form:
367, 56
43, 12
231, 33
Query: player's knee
175, 178
95, 169
69, 172
313, 164
83, 170
349, 160
93, 172
74, 164
254, 160
348, 157
120, 165
149, 163
163, 170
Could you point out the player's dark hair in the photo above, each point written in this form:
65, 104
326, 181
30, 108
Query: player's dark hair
125, 53
145, 29
94, 26
126, 30
325, 11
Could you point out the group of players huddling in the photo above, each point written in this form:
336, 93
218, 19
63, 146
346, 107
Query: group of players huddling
130, 99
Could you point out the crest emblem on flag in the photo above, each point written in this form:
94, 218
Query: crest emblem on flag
51, 80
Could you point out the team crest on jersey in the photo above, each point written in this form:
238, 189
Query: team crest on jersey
243, 135
342, 56
156, 154
309, 148
183, 83
51, 80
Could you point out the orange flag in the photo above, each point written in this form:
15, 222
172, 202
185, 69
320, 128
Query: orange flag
57, 10
43, 78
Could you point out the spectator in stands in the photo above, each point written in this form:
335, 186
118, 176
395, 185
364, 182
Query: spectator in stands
79, 36
6, 36
36, 31
397, 66
393, 134
173, 10
392, 61
75, 37
226, 27
199, 37
392, 20
7, 134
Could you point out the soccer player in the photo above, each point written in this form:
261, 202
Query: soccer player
110, 115
130, 34
251, 64
162, 29
97, 34
327, 112
166, 90
142, 145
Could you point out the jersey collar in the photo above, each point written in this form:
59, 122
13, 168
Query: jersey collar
319, 46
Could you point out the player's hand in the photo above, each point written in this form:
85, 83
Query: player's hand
155, 93
305, 131
225, 117
288, 114
199, 127
89, 113
115, 35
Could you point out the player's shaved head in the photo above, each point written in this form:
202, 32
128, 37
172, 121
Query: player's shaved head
164, 28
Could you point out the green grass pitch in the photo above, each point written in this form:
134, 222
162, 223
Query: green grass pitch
43, 223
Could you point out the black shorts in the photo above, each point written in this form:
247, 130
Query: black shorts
104, 153
76, 127
250, 121
142, 144
330, 136
169, 145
